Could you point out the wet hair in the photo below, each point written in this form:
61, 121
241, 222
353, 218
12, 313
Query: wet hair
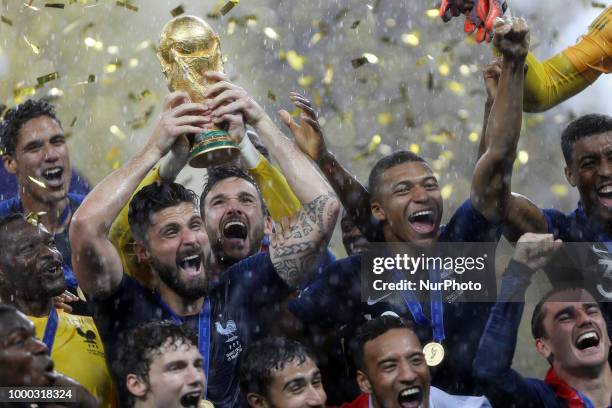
387, 162
584, 126
537, 318
138, 347
153, 198
16, 117
266, 356
372, 329
217, 174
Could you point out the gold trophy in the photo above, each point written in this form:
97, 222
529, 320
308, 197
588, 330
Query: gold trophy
188, 47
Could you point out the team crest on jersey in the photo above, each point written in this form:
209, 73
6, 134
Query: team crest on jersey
232, 341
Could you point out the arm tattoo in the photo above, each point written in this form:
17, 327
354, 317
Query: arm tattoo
297, 256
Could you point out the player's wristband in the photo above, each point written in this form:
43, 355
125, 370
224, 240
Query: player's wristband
248, 153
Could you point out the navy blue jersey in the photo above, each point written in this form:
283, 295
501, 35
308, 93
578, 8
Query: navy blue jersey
338, 289
240, 302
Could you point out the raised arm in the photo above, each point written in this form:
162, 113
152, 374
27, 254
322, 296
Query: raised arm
308, 233
491, 182
95, 260
493, 362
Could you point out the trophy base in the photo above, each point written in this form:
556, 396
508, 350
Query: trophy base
212, 149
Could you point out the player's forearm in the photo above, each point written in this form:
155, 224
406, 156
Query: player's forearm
105, 201
299, 171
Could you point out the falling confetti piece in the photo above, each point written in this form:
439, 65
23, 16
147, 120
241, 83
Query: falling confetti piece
376, 140
473, 137
271, 95
119, 134
177, 11
414, 148
91, 78
385, 118
55, 5
46, 78
456, 87
372, 59
355, 24
446, 191
358, 62
523, 157
37, 182
127, 5
411, 39
316, 37
560, 190
305, 81
31, 7
74, 120
270, 33
34, 48
6, 20
329, 75
444, 69
228, 6
597, 4
295, 60
432, 13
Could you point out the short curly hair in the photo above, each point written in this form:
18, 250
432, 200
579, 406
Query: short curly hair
16, 117
136, 348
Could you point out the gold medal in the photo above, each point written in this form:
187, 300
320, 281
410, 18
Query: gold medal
205, 404
434, 353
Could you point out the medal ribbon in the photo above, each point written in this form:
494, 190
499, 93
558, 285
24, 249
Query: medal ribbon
50, 329
437, 308
203, 330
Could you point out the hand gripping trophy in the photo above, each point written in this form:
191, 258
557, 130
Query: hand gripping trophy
188, 48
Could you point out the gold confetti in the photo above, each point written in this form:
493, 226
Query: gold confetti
560, 190
270, 33
411, 39
91, 78
228, 6
55, 92
37, 182
385, 118
372, 59
46, 78
329, 75
414, 148
432, 13
31, 7
72, 123
456, 87
597, 4
355, 24
295, 60
464, 70
34, 48
177, 11
71, 26
523, 157
444, 69
55, 5
316, 37
112, 154
114, 129
271, 95
305, 81
357, 62
473, 137
446, 191
127, 5
6, 20
376, 140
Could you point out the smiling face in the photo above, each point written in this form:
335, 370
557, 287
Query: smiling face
409, 202
591, 172
30, 264
395, 370
297, 385
176, 244
234, 219
176, 377
41, 153
575, 332
24, 360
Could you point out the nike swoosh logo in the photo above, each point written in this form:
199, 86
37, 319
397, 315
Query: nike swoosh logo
372, 302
